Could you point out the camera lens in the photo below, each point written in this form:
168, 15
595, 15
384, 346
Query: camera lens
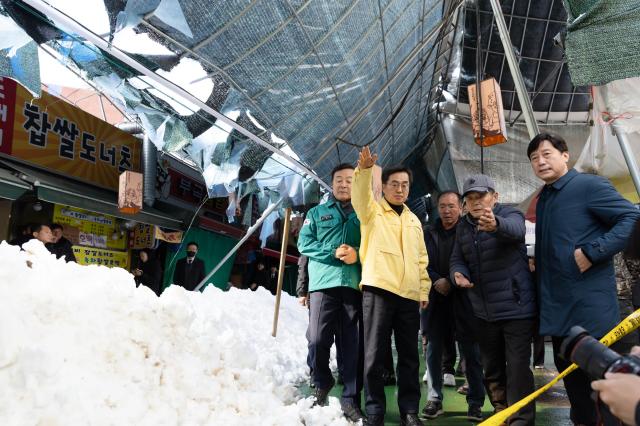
591, 356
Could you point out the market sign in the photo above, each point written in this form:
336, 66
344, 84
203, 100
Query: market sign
96, 256
142, 236
94, 229
54, 135
185, 188
170, 237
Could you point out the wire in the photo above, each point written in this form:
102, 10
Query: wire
479, 76
123, 68
384, 128
193, 218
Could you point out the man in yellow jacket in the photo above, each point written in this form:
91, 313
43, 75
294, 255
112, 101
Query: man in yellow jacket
395, 284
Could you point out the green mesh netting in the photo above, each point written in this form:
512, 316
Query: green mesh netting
603, 40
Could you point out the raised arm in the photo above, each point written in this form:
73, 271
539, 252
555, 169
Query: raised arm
510, 226
361, 192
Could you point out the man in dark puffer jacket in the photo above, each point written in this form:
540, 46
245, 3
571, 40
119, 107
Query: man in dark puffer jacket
489, 258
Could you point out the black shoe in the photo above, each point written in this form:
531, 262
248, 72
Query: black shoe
374, 421
432, 410
410, 420
321, 395
475, 413
351, 411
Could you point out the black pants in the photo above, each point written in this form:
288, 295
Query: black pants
505, 348
578, 386
388, 361
310, 348
337, 312
384, 312
625, 344
449, 354
538, 349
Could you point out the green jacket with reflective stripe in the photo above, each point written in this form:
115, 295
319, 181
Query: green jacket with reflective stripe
326, 228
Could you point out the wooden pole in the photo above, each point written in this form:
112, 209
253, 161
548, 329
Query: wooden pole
283, 255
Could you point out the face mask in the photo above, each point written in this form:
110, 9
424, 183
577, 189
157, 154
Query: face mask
191, 254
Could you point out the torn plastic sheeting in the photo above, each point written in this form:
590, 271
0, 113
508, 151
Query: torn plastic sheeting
175, 134
621, 103
133, 13
168, 11
12, 37
268, 229
616, 101
23, 66
221, 179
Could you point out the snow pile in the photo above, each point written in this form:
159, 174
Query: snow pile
82, 345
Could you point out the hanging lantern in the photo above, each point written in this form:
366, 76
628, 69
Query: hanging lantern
493, 125
130, 192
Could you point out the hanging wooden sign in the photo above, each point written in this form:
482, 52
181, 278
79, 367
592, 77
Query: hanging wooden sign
130, 192
493, 124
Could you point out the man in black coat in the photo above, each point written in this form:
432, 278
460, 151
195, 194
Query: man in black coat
61, 246
582, 221
189, 271
490, 259
449, 312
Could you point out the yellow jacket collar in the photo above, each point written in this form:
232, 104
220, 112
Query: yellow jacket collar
387, 207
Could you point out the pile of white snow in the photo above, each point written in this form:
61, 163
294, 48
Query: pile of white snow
82, 345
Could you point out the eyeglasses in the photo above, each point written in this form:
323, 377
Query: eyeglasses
397, 185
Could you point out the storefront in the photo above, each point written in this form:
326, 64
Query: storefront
61, 165
182, 187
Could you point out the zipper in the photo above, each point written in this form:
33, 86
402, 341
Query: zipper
345, 219
479, 270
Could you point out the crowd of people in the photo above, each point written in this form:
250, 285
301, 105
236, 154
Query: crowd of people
374, 273
50, 235
370, 271
147, 269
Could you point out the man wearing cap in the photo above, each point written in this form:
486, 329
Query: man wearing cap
489, 259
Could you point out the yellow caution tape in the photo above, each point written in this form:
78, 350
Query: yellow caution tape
629, 324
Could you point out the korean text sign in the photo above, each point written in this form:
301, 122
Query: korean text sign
57, 136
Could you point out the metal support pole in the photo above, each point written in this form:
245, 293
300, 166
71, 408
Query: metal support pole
283, 256
70, 24
521, 89
235, 248
625, 146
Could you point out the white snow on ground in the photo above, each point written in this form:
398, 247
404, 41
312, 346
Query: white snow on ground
81, 345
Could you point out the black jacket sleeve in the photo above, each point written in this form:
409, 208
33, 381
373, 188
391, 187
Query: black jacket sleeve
302, 286
156, 276
510, 224
432, 253
457, 261
200, 272
68, 252
178, 273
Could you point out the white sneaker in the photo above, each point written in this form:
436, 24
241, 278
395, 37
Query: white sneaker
448, 380
425, 378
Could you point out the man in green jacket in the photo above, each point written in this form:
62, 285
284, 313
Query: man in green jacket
330, 238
